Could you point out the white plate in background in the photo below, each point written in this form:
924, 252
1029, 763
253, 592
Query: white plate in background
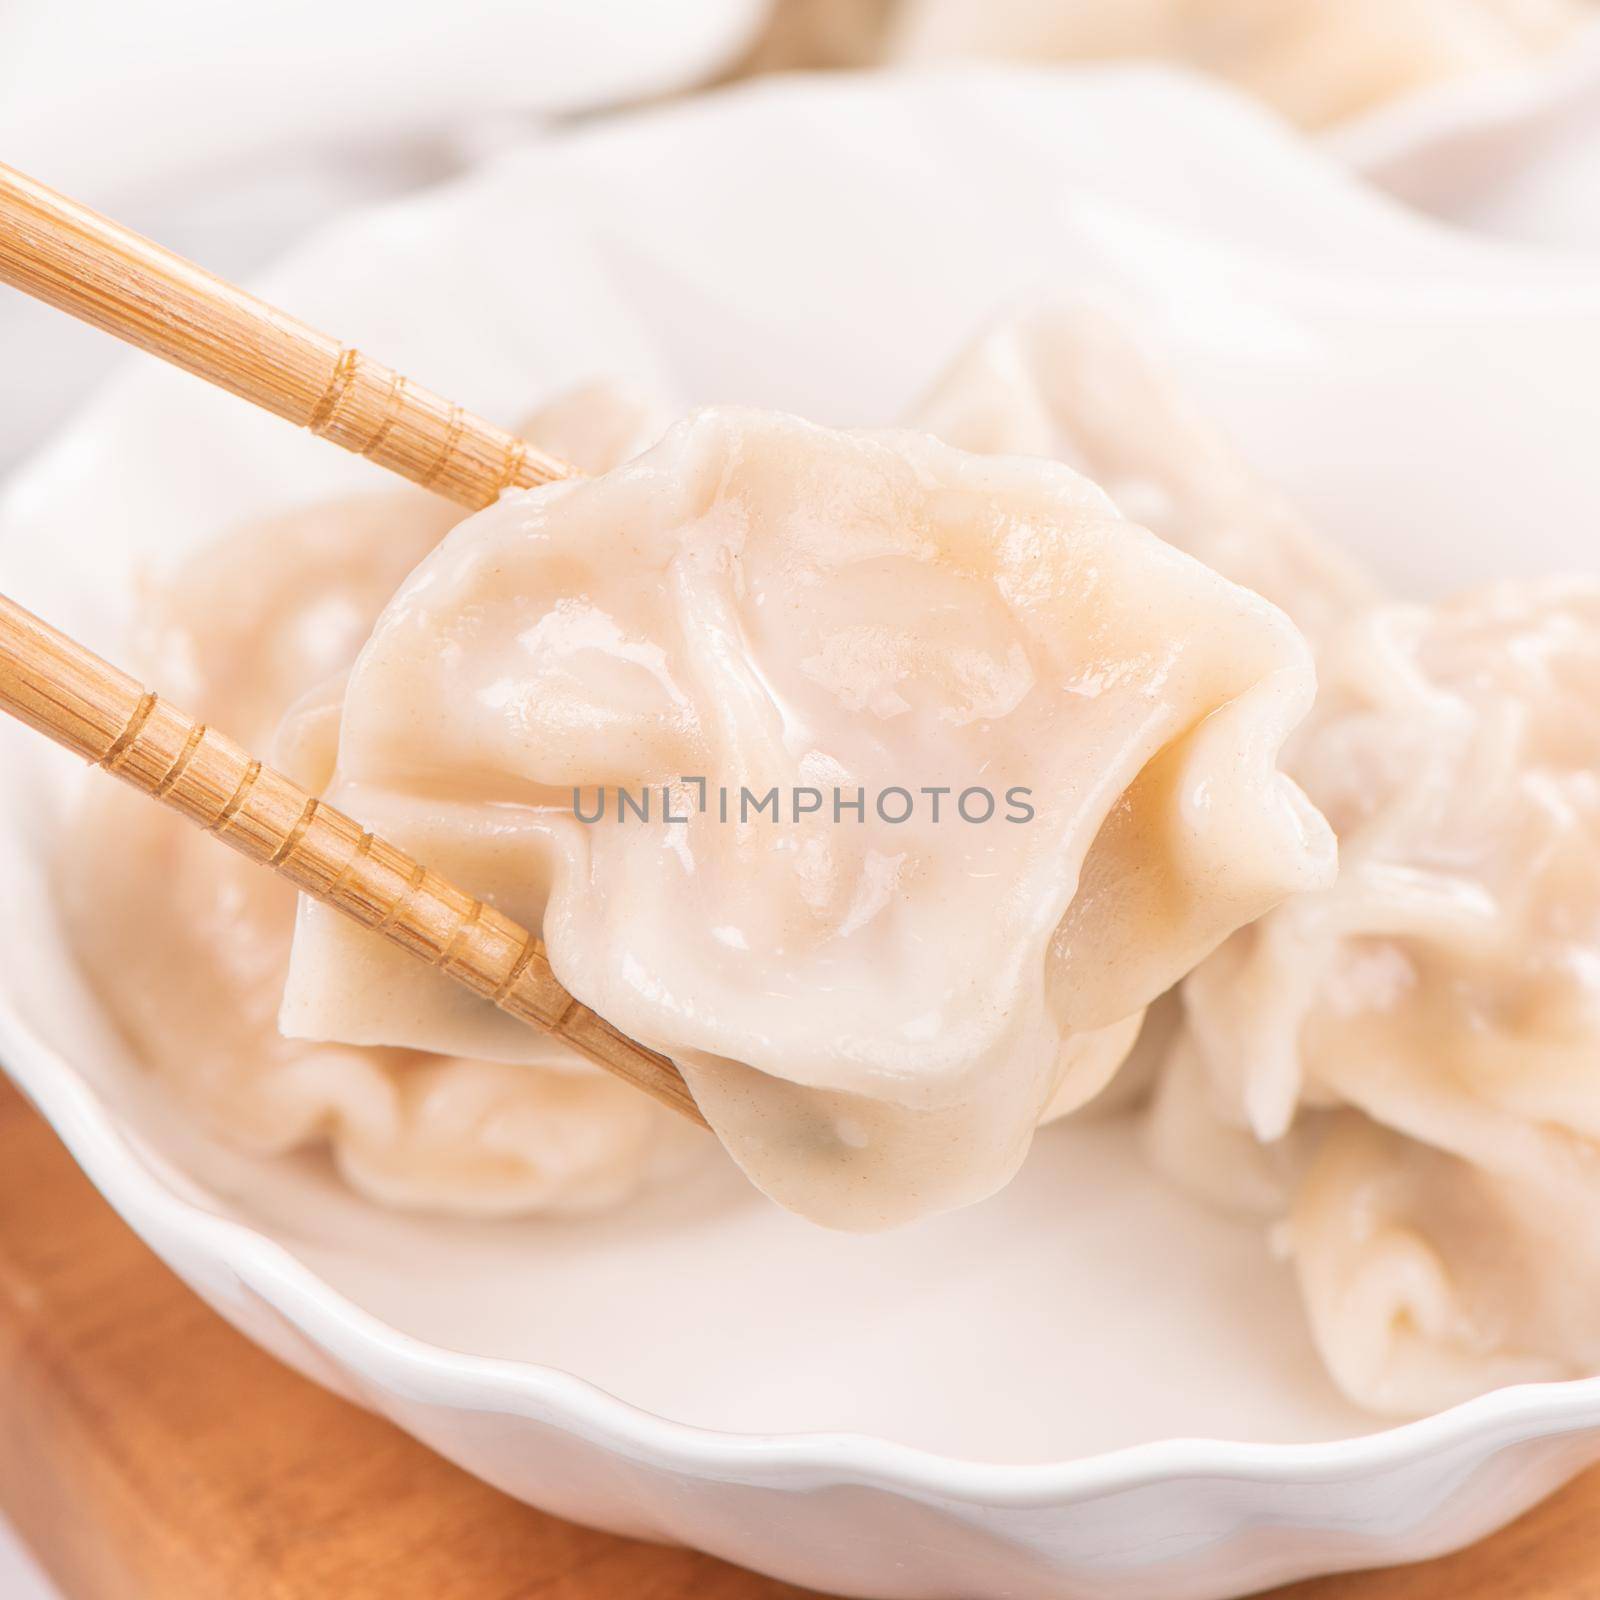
1516, 155
1088, 1385
216, 127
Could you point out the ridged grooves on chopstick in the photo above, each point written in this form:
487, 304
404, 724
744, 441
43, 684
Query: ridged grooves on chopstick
73, 258
82, 702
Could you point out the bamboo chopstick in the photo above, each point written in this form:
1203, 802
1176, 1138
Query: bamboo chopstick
74, 259
80, 262
69, 694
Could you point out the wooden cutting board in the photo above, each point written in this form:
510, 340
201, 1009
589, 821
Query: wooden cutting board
148, 1452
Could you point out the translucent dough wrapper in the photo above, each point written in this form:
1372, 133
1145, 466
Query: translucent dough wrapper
1069, 380
187, 943
1430, 1279
874, 1013
1447, 989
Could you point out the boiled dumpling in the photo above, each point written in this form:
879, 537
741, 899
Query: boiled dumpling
1070, 381
1439, 1006
1012, 759
1430, 1279
1317, 62
188, 944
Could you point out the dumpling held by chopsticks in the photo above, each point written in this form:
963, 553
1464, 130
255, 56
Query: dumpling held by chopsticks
879, 784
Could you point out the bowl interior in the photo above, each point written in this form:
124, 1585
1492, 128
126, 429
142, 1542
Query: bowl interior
825, 247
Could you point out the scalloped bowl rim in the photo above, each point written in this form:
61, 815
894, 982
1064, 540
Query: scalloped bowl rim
435, 1374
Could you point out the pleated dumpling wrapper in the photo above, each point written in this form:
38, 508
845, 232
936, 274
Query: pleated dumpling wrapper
1420, 1044
187, 944
878, 784
1069, 379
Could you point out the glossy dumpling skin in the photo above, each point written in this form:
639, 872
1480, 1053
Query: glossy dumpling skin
187, 943
1069, 380
1444, 995
873, 1014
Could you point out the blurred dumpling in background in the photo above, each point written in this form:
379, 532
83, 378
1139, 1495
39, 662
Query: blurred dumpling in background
1427, 1031
193, 975
1315, 61
873, 1007
1070, 381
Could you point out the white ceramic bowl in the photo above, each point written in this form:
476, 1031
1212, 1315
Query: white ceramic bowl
1088, 1385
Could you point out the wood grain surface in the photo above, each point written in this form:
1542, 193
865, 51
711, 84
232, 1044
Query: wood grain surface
148, 1452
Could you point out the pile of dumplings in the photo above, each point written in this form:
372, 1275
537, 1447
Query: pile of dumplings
892, 783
